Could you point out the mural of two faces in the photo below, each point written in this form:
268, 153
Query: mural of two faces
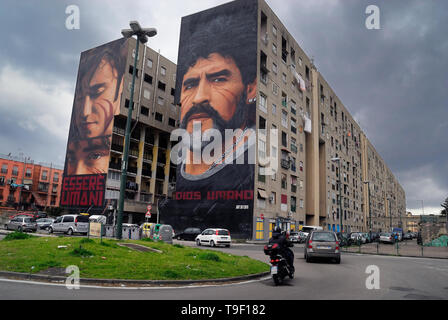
216, 87
97, 100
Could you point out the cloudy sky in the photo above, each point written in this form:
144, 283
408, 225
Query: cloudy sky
394, 81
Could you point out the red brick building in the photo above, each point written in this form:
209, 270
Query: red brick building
32, 185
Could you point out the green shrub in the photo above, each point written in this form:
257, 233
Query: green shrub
81, 252
210, 256
86, 240
17, 236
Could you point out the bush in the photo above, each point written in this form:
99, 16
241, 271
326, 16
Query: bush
81, 252
209, 256
17, 236
86, 240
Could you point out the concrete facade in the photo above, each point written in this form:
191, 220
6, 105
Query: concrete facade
334, 134
151, 175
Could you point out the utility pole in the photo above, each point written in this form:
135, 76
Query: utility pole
142, 36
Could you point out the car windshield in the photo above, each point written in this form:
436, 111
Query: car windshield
28, 220
323, 236
223, 232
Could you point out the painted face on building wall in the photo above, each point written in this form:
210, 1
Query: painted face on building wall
97, 102
88, 156
212, 92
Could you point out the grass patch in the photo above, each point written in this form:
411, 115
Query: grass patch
17, 236
209, 256
81, 252
107, 260
178, 246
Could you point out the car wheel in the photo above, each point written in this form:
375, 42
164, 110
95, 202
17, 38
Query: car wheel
212, 243
338, 260
70, 232
308, 259
178, 238
227, 245
20, 229
198, 242
50, 230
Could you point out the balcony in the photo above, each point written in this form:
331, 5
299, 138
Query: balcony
117, 147
285, 164
132, 170
146, 172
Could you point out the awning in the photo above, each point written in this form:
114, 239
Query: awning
262, 194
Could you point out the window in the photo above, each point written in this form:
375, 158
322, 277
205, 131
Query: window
148, 78
301, 203
4, 168
274, 49
274, 88
131, 71
300, 61
293, 204
284, 77
15, 170
161, 86
56, 177
261, 123
173, 92
171, 122
274, 108
284, 139
293, 126
28, 173
262, 105
159, 117
293, 145
149, 63
146, 94
160, 101
284, 119
284, 182
163, 71
274, 30
44, 175
144, 111
55, 188
301, 165
274, 68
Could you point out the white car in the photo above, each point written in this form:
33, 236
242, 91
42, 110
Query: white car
214, 237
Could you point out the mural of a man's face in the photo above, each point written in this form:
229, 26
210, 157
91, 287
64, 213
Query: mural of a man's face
211, 91
88, 156
97, 103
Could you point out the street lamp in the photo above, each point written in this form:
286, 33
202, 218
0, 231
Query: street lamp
370, 210
338, 160
142, 36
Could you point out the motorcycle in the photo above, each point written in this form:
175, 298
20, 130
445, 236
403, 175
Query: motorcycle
279, 265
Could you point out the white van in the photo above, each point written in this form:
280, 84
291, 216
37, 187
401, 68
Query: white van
70, 224
308, 229
98, 218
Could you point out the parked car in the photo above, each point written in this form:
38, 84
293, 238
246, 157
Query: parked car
407, 236
44, 223
166, 233
375, 237
70, 224
387, 237
357, 238
189, 234
294, 237
344, 239
23, 223
322, 244
214, 237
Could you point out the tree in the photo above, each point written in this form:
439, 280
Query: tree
445, 206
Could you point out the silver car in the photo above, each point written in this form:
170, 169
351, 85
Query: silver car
44, 223
70, 224
322, 244
21, 224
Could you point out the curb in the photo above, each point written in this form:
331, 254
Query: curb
392, 255
125, 282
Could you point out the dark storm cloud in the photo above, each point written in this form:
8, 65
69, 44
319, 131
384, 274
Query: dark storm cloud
393, 81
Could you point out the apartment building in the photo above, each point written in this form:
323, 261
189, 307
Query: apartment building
150, 173
327, 168
27, 185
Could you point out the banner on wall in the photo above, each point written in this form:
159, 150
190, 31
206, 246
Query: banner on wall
97, 100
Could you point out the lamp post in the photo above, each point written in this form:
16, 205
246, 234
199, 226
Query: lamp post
338, 160
142, 36
370, 210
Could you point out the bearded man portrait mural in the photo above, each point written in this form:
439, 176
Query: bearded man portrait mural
216, 88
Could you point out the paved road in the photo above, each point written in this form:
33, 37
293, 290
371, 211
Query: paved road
400, 278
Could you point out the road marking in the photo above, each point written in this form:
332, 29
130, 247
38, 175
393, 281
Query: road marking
135, 288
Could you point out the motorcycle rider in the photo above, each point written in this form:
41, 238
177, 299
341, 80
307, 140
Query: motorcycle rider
281, 238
